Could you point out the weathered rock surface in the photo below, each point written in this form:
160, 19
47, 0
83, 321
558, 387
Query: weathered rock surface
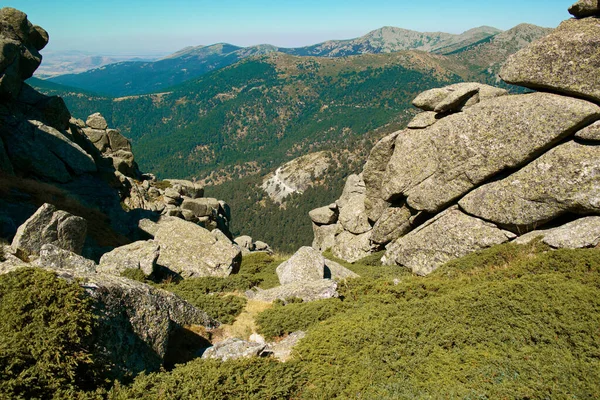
454, 97
585, 8
234, 348
436, 166
323, 216
306, 265
96, 121
578, 234
137, 255
591, 132
450, 235
373, 173
246, 243
423, 120
282, 350
394, 223
307, 291
190, 189
324, 236
50, 226
192, 251
565, 179
352, 247
201, 207
565, 61
55, 258
353, 216
338, 272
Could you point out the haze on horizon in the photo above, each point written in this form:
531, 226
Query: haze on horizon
137, 27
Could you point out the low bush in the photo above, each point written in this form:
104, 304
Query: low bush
256, 378
135, 274
260, 267
45, 335
283, 319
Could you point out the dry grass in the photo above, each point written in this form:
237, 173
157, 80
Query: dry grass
244, 324
99, 227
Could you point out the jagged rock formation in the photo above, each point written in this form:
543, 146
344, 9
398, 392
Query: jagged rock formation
480, 167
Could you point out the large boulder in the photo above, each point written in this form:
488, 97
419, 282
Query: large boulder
307, 291
306, 265
55, 258
338, 272
564, 180
565, 61
324, 215
190, 189
454, 97
373, 173
353, 216
451, 234
394, 223
585, 8
578, 234
591, 133
193, 251
324, 236
350, 247
137, 255
201, 207
96, 121
48, 225
435, 166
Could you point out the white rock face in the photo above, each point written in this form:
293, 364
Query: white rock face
296, 176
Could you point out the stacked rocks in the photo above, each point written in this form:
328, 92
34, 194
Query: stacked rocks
479, 167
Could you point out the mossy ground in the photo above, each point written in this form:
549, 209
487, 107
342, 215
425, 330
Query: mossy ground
509, 322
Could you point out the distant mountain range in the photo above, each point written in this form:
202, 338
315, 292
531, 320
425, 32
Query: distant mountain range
133, 78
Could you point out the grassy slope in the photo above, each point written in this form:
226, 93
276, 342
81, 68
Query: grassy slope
509, 322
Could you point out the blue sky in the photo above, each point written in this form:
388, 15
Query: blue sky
146, 26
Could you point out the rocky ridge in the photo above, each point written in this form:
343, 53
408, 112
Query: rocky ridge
479, 167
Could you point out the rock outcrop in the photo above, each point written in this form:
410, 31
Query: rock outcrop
479, 166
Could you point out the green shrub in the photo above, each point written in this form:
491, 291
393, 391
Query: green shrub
135, 274
255, 378
371, 267
162, 185
45, 333
283, 319
260, 267
224, 308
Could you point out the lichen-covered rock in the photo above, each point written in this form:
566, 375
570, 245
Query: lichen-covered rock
442, 163
323, 216
585, 8
373, 173
565, 179
117, 141
201, 207
48, 225
450, 235
423, 120
338, 272
54, 257
246, 244
137, 255
96, 121
454, 97
578, 234
187, 188
192, 251
353, 216
350, 247
394, 223
565, 61
591, 132
306, 265
307, 291
324, 236
234, 348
